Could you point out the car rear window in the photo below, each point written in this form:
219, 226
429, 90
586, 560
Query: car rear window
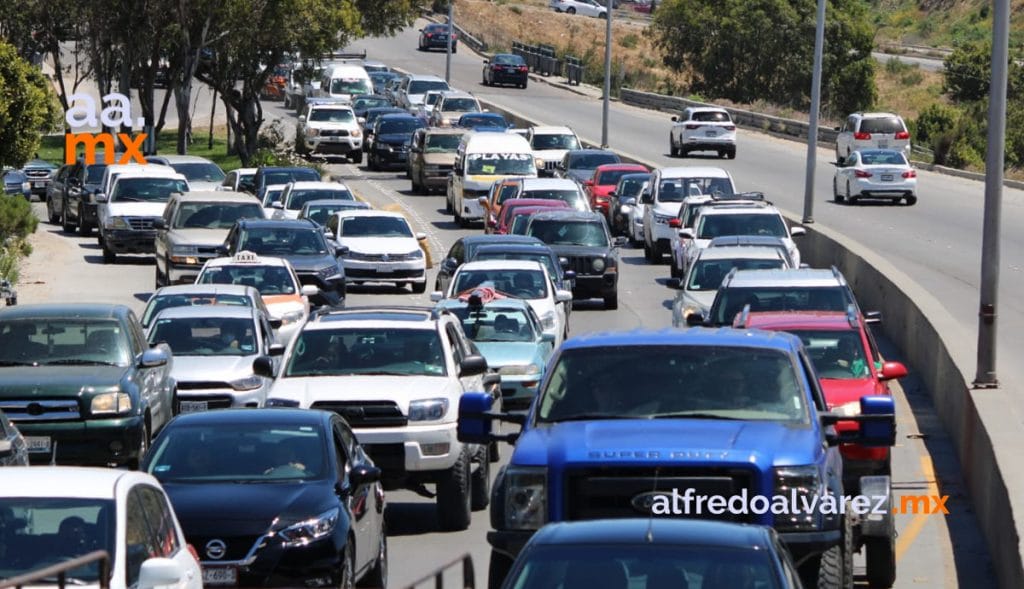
711, 117
881, 125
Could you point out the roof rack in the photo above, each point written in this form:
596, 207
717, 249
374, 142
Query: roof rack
328, 310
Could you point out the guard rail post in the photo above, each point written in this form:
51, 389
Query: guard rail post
547, 59
573, 70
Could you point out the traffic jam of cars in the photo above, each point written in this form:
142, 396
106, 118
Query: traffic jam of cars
245, 428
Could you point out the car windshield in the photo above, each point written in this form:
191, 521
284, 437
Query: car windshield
561, 232
320, 213
300, 175
712, 226
366, 103
495, 324
589, 161
37, 532
460, 105
883, 158
631, 186
299, 197
501, 164
214, 215
708, 274
590, 565
160, 302
59, 341
835, 354
543, 257
559, 141
507, 59
269, 280
332, 115
442, 143
523, 284
371, 350
575, 199
199, 171
611, 177
374, 227
496, 121
677, 189
710, 117
731, 301
882, 125
649, 381
206, 336
399, 126
146, 189
351, 86
282, 241
238, 453
423, 86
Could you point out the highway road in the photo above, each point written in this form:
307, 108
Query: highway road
929, 64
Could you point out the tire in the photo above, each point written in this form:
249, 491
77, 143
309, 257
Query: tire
731, 153
419, 287
673, 272
377, 577
673, 151
453, 496
649, 253
835, 193
84, 229
523, 85
603, 16
611, 301
158, 280
480, 482
833, 568
498, 569
455, 49
134, 463
347, 575
880, 554
66, 225
109, 257
851, 198
683, 152
448, 205
721, 154
50, 215
356, 157
570, 10
911, 201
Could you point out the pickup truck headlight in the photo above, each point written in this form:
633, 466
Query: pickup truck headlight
356, 133
112, 403
526, 498
519, 370
117, 223
547, 320
803, 481
281, 403
248, 383
428, 409
292, 316
848, 409
311, 529
312, 132
662, 219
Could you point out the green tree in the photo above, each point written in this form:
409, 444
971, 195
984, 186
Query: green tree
28, 107
746, 50
968, 71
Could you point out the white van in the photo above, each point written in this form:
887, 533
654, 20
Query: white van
345, 81
133, 202
482, 158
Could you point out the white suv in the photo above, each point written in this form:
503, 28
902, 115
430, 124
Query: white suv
872, 130
664, 196
550, 145
396, 375
703, 128
330, 129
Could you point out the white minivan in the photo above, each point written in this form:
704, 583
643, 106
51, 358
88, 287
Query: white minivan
482, 158
345, 81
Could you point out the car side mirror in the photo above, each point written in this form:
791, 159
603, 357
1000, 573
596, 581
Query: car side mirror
569, 275
473, 365
451, 264
686, 233
436, 296
309, 290
891, 370
475, 422
159, 223
835, 128
547, 337
629, 201
797, 231
361, 120
588, 182
421, 236
675, 119
482, 200
646, 197
302, 118
275, 350
364, 474
340, 251
563, 296
157, 572
263, 366
492, 379
486, 62
276, 324
277, 205
154, 357
100, 197
223, 250
620, 241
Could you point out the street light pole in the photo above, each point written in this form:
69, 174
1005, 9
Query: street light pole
994, 162
448, 51
812, 129
607, 75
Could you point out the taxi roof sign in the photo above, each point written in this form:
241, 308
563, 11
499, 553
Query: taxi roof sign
246, 257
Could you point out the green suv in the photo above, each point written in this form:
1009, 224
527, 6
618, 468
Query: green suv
81, 383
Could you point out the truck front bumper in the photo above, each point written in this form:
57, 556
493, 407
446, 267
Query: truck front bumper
90, 442
127, 241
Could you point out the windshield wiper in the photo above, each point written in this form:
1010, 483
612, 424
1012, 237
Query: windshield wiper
591, 417
127, 199
694, 415
79, 362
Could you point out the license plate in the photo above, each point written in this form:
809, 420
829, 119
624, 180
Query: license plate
883, 144
220, 576
710, 133
38, 184
38, 444
194, 406
382, 268
886, 177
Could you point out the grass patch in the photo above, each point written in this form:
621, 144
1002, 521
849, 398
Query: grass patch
52, 147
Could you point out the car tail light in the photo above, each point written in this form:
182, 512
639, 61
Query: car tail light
862, 174
903, 135
862, 136
910, 174
429, 35
692, 126
523, 68
730, 127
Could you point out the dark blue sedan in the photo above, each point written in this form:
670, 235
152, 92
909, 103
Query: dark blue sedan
479, 120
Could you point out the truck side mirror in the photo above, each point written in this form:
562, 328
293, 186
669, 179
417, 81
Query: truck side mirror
475, 426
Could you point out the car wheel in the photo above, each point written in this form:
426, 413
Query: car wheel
673, 271
731, 153
849, 196
570, 10
84, 229
835, 192
611, 301
498, 569
158, 280
378, 575
648, 253
480, 482
53, 217
347, 575
455, 48
911, 200
133, 463
66, 225
673, 151
109, 256
356, 157
721, 154
419, 287
524, 85
453, 495
683, 152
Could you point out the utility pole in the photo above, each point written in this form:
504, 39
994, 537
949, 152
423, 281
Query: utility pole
451, 33
994, 162
812, 129
607, 75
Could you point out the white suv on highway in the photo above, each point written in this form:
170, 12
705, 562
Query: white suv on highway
330, 129
703, 128
664, 196
872, 130
396, 375
550, 145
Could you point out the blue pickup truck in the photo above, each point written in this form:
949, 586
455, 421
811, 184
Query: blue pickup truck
703, 423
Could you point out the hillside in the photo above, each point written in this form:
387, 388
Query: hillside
940, 23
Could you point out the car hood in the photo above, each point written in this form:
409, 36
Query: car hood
381, 245
399, 389
668, 441
205, 237
56, 381
311, 262
212, 368
841, 391
509, 353
439, 159
232, 509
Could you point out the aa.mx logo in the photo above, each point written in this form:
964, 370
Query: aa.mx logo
117, 112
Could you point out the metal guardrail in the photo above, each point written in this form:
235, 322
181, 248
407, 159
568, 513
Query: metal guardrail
468, 576
60, 570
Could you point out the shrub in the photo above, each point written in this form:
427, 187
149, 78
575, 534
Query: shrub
17, 221
629, 41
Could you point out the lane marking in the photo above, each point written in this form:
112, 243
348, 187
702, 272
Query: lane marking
916, 525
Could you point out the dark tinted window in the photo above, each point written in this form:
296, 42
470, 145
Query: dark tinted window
542, 142
146, 189
58, 341
271, 178
711, 117
592, 160
299, 197
711, 226
508, 59
708, 274
399, 126
206, 215
41, 531
161, 302
835, 354
889, 125
789, 298
561, 232
199, 171
282, 241
611, 177
206, 336
370, 350
375, 227
422, 86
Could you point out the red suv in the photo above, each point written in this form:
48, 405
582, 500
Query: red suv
849, 367
605, 179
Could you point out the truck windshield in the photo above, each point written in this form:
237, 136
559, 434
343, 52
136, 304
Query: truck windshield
146, 189
442, 142
460, 105
332, 115
377, 351
43, 342
673, 381
423, 86
544, 142
560, 232
501, 164
712, 226
297, 198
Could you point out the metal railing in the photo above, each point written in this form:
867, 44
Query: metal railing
468, 577
60, 571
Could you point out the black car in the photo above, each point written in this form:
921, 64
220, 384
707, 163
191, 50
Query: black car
274, 497
656, 553
538, 252
370, 118
391, 137
39, 173
435, 36
364, 103
81, 187
269, 176
506, 68
464, 249
629, 186
483, 121
55, 194
579, 164
583, 239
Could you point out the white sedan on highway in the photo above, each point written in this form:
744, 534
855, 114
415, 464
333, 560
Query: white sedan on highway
584, 7
875, 173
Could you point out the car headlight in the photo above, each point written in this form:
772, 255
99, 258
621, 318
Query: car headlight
117, 223
356, 133
803, 481
662, 219
281, 403
389, 147
26, 186
598, 265
112, 403
312, 132
247, 383
327, 271
428, 409
526, 498
185, 255
851, 409
311, 529
292, 316
520, 370
547, 320
416, 254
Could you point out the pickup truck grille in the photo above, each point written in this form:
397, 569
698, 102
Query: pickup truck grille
364, 257
141, 223
609, 492
41, 410
38, 174
551, 166
366, 413
334, 133
582, 265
